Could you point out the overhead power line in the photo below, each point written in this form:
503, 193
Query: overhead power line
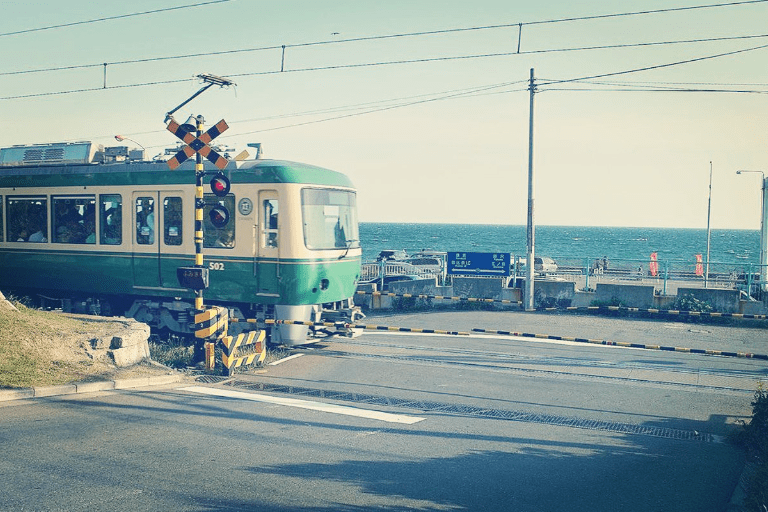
387, 63
403, 35
526, 52
649, 68
109, 18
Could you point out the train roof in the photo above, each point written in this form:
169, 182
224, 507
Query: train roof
158, 173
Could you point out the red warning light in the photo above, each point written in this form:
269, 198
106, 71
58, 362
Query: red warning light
220, 185
219, 216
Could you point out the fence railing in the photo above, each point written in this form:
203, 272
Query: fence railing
587, 272
711, 274
371, 271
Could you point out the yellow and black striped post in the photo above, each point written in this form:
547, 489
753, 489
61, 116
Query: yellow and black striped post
252, 340
199, 205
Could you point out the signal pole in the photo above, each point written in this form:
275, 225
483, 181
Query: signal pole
196, 277
531, 235
199, 205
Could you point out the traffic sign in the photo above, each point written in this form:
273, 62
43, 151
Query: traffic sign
478, 263
197, 144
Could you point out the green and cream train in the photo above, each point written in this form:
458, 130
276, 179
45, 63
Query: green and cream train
102, 231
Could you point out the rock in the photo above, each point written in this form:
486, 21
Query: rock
5, 305
128, 346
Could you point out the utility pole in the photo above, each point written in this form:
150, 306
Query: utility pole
709, 211
531, 235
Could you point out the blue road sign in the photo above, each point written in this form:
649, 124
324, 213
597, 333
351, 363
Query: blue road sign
478, 263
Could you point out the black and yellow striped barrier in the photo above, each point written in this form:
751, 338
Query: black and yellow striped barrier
672, 312
342, 325
625, 309
253, 340
211, 322
747, 355
389, 328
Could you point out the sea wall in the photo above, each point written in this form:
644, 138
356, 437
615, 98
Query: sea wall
554, 293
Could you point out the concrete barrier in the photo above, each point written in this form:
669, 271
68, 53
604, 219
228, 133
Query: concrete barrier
631, 295
723, 301
554, 293
486, 288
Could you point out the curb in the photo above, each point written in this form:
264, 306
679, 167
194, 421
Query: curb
7, 395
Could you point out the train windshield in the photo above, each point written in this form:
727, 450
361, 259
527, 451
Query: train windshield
330, 219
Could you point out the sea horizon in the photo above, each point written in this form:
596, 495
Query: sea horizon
571, 245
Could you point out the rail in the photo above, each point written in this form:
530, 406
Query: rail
373, 271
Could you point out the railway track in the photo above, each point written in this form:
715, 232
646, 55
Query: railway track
739, 376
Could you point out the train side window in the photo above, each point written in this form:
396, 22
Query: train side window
111, 219
145, 220
74, 219
172, 221
218, 238
27, 219
1, 220
270, 209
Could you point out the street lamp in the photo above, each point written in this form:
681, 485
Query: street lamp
121, 138
763, 230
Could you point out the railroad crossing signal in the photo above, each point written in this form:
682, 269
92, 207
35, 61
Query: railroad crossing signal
197, 144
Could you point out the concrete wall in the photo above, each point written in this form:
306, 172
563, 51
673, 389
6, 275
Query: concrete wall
554, 293
723, 301
478, 287
561, 294
631, 295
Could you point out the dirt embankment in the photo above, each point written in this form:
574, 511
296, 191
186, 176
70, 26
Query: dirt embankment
42, 348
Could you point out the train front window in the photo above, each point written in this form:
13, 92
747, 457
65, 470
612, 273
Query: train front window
330, 219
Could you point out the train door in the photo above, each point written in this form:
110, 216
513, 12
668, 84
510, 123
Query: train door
268, 248
146, 249
172, 228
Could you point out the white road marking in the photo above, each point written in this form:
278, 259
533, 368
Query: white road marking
307, 404
509, 337
279, 361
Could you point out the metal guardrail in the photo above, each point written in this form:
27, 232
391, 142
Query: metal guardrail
712, 274
589, 271
372, 271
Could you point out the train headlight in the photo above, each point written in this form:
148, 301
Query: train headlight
220, 185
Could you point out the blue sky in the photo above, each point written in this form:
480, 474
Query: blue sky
609, 155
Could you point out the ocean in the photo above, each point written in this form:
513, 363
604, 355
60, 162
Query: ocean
571, 245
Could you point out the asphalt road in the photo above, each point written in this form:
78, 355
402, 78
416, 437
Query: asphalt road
391, 421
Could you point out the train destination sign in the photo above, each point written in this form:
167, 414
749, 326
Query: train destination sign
478, 263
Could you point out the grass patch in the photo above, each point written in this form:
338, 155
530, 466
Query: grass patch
16, 370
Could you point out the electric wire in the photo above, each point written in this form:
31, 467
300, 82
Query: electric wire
109, 18
383, 63
649, 68
380, 109
277, 47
